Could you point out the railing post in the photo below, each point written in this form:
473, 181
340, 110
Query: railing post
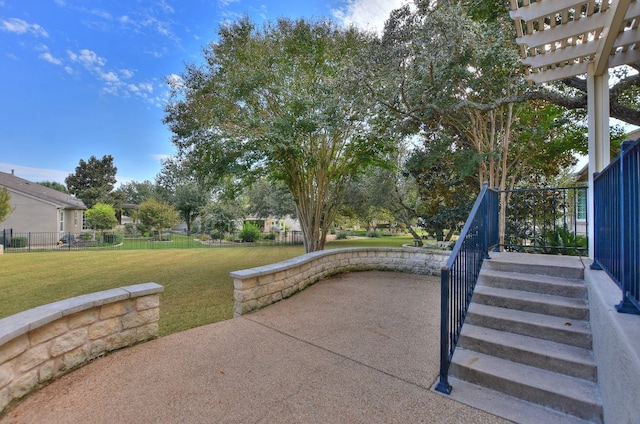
626, 305
443, 385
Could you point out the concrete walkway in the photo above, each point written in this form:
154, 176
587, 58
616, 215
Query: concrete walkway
354, 348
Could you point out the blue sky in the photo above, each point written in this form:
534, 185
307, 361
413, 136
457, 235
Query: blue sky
87, 78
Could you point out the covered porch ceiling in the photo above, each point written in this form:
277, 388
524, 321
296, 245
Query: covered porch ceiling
560, 38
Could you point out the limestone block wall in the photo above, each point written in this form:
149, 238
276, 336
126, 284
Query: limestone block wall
41, 344
256, 288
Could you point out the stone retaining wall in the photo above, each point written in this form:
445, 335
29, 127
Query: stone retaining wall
41, 344
256, 288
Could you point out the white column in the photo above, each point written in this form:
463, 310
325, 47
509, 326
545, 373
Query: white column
598, 123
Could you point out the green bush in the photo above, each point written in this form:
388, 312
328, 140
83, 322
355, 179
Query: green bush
130, 229
249, 233
269, 236
217, 235
18, 242
374, 234
342, 235
143, 229
112, 238
86, 236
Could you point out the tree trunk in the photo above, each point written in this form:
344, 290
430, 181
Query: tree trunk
415, 235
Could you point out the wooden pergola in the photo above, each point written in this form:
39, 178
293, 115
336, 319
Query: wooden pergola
566, 38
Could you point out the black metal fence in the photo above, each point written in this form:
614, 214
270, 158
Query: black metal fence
546, 220
459, 276
15, 242
617, 224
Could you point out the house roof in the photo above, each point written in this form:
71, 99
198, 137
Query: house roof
46, 194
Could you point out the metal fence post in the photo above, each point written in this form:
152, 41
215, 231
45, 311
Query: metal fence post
443, 385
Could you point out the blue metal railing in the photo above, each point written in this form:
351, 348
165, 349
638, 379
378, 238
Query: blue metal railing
546, 220
459, 275
617, 224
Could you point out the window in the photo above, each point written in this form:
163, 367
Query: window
61, 220
581, 204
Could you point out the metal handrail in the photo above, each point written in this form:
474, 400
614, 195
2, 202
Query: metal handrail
460, 274
617, 224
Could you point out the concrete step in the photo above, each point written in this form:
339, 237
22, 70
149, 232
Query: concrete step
527, 263
509, 407
536, 283
566, 394
567, 307
557, 357
552, 328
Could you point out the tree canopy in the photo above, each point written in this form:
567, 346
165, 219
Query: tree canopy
54, 185
93, 180
5, 205
158, 215
101, 217
282, 101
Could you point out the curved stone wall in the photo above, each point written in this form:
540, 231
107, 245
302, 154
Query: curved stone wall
41, 344
256, 288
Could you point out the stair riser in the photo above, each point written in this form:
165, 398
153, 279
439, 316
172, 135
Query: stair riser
546, 397
548, 362
576, 292
565, 336
550, 270
575, 313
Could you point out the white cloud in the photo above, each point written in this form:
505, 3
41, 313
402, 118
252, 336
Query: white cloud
110, 77
35, 174
367, 14
18, 26
174, 81
90, 59
48, 57
160, 157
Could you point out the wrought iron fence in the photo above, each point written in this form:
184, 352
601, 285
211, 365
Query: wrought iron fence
546, 220
459, 276
617, 224
90, 240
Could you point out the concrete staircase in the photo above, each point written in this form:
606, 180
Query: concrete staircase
525, 347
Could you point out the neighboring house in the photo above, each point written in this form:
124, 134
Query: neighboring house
38, 208
582, 180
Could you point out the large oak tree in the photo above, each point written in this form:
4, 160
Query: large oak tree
93, 180
284, 101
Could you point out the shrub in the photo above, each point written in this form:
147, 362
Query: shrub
250, 233
217, 235
130, 229
112, 238
342, 235
143, 229
18, 242
374, 234
269, 236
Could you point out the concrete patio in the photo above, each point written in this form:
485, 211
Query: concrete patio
359, 347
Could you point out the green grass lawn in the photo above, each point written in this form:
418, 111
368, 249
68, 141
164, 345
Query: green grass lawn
197, 286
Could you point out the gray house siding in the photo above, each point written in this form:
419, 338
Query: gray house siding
40, 209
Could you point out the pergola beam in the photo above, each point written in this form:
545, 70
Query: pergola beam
616, 18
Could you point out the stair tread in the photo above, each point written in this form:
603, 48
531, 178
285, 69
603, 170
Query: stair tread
538, 278
506, 406
574, 325
537, 264
551, 382
531, 344
570, 302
